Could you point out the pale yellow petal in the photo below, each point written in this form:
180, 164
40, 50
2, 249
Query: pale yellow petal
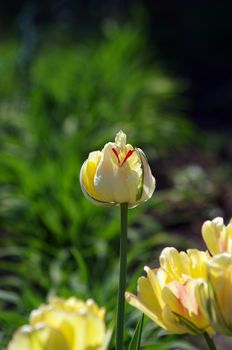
88, 172
38, 338
175, 264
171, 321
95, 331
155, 285
220, 275
148, 297
213, 233
171, 296
134, 301
149, 181
20, 341
198, 260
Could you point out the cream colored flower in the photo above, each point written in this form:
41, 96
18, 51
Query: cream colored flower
217, 236
70, 324
118, 174
167, 294
214, 296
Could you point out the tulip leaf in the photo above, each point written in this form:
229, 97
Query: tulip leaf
136, 339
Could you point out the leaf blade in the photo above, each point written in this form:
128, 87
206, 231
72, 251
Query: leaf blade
136, 339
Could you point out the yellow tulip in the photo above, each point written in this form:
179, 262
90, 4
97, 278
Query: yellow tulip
167, 294
214, 296
118, 174
63, 325
39, 337
217, 236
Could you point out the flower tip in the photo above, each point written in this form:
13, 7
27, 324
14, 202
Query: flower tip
128, 296
146, 268
218, 221
120, 139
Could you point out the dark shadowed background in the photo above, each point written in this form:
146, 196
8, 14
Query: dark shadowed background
192, 39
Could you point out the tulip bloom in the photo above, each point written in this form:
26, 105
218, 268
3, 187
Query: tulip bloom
167, 294
118, 174
217, 236
63, 325
214, 296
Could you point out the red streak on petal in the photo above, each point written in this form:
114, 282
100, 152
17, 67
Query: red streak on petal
115, 152
129, 153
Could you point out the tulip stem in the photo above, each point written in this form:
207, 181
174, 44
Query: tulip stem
209, 341
122, 278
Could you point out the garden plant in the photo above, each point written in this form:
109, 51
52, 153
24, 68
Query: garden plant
65, 284
188, 293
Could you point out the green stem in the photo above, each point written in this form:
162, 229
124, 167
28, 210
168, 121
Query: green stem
122, 278
209, 341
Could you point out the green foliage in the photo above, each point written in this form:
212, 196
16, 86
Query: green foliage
136, 339
77, 96
9, 82
97, 89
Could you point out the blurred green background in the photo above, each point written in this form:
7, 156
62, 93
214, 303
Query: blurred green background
72, 77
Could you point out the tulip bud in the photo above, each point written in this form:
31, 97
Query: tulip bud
214, 296
118, 174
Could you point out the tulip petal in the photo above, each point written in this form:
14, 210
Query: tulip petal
155, 284
88, 172
138, 304
172, 321
149, 182
176, 264
37, 338
212, 234
87, 194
